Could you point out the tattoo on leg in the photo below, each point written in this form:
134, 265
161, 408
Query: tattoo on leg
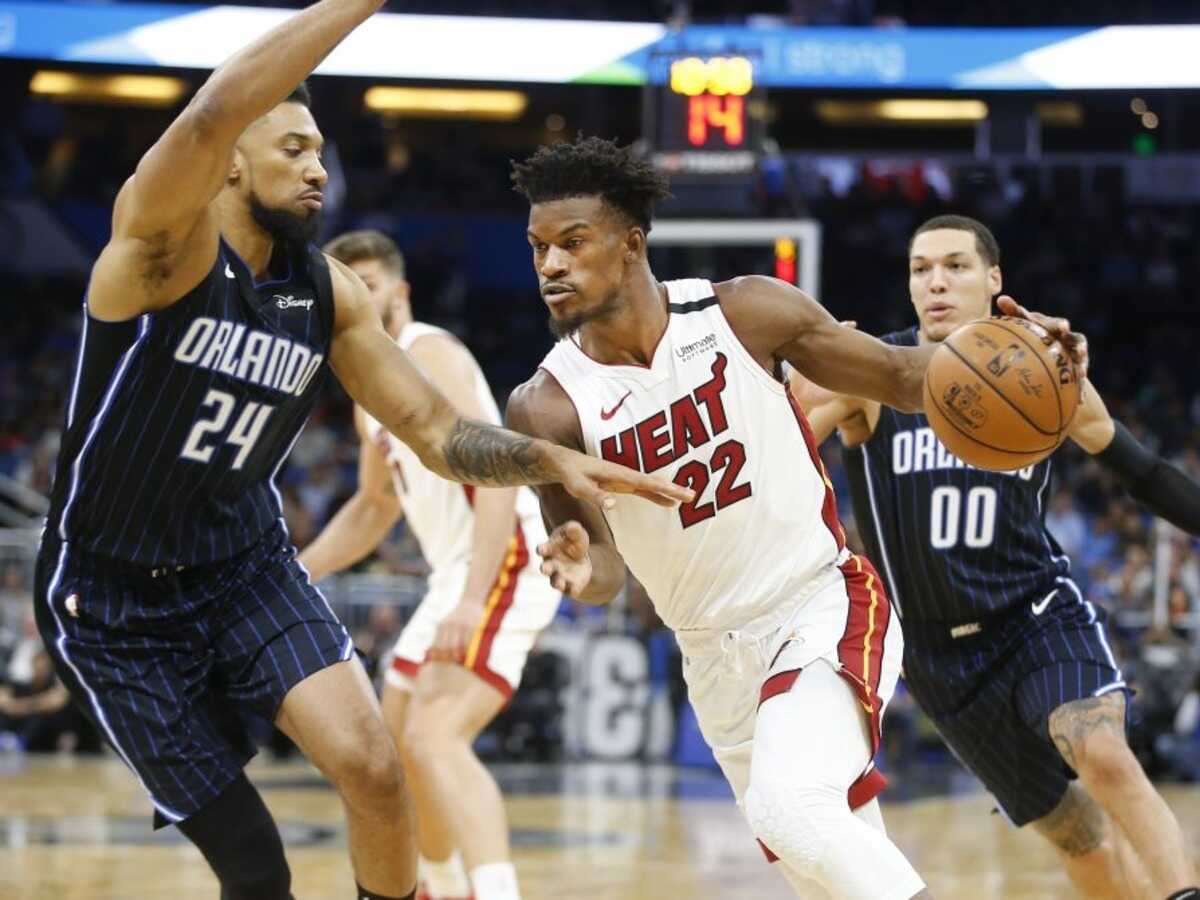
484, 454
1073, 723
1076, 826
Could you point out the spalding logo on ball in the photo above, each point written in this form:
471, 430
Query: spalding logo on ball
1001, 393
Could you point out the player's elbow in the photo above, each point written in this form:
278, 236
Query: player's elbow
206, 114
907, 383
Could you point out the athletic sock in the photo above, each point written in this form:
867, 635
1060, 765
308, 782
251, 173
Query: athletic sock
445, 879
364, 894
495, 881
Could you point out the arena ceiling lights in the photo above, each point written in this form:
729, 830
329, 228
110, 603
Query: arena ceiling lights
477, 48
116, 90
446, 103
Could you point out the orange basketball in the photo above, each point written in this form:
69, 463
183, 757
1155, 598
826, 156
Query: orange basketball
1001, 393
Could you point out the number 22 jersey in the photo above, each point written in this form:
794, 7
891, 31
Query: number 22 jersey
179, 420
706, 415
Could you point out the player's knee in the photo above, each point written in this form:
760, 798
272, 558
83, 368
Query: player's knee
431, 730
1104, 761
368, 766
791, 820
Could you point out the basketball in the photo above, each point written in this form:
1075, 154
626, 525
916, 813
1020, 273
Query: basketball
1001, 393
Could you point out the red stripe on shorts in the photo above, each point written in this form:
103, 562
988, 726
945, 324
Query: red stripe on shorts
500, 602
860, 651
406, 666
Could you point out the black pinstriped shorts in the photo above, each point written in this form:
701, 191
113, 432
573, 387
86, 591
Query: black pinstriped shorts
163, 661
990, 690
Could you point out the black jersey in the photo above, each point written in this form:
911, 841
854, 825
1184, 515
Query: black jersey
179, 420
954, 542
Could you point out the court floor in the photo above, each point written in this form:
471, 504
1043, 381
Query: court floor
76, 829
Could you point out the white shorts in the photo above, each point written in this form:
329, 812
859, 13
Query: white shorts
843, 618
520, 604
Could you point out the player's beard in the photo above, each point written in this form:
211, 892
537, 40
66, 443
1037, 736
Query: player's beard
565, 326
283, 225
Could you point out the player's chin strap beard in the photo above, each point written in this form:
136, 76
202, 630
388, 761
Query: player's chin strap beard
281, 224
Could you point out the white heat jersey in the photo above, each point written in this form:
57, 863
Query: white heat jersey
441, 512
706, 414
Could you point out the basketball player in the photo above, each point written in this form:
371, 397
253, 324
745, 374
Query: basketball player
790, 652
167, 588
1001, 648
460, 657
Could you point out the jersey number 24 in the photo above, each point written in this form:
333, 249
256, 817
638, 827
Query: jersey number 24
244, 434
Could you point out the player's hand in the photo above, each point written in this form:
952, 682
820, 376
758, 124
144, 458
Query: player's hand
454, 633
597, 480
1074, 342
565, 558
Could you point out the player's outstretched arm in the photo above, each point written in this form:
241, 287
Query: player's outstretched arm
164, 235
579, 557
363, 521
777, 321
1159, 486
381, 377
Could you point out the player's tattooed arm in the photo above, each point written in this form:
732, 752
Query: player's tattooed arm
480, 453
383, 379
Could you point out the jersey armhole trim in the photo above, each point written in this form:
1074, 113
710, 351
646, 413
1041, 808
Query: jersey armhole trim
574, 406
745, 357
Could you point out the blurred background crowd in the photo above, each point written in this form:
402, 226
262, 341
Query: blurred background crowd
1082, 236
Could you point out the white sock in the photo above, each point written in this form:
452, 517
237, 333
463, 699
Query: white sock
495, 881
445, 879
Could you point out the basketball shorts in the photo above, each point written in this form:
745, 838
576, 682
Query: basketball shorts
165, 662
520, 604
842, 618
990, 691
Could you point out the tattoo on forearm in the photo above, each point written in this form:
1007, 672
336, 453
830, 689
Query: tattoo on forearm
484, 454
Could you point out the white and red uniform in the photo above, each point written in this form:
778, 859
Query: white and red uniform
753, 576
441, 514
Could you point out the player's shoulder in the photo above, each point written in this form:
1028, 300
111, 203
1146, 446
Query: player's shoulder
762, 298
541, 407
436, 349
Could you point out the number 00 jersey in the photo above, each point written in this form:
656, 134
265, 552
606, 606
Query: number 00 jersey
179, 420
953, 542
706, 414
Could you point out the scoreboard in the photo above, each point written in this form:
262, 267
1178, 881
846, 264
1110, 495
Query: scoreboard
707, 119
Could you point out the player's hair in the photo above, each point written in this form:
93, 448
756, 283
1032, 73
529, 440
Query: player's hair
367, 244
593, 167
300, 95
985, 241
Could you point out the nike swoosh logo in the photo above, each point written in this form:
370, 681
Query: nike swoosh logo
1040, 607
607, 414
228, 271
